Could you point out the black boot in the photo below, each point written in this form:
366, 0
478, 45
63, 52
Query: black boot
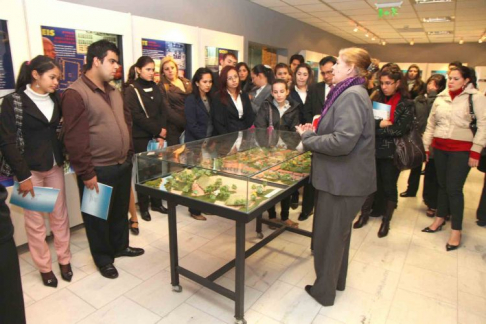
385, 224
365, 212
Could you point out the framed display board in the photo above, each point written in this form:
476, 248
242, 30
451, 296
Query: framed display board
71, 28
69, 47
158, 49
159, 38
7, 79
214, 55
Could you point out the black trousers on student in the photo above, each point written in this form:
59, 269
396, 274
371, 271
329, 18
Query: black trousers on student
386, 180
414, 180
11, 297
431, 185
284, 207
140, 145
481, 212
332, 235
452, 170
111, 236
308, 198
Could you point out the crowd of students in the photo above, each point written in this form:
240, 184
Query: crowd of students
102, 129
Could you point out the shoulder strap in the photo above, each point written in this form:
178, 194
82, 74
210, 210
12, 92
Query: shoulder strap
140, 100
18, 121
471, 107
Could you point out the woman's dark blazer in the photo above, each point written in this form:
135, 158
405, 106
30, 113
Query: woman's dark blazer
40, 136
225, 115
295, 96
144, 127
198, 119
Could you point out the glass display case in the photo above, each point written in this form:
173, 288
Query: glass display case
239, 171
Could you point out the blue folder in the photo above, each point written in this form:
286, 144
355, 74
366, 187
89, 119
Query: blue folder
97, 204
43, 201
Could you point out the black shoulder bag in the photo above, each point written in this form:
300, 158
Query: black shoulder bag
474, 128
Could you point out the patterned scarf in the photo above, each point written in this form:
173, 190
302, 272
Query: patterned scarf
336, 92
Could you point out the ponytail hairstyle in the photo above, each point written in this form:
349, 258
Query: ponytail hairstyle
132, 72
282, 81
266, 70
40, 63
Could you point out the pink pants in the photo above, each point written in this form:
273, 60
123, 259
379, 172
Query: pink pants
58, 220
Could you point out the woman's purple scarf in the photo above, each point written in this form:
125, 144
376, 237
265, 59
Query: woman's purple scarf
336, 92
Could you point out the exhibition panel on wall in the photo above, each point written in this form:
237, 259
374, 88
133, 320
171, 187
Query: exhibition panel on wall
215, 44
157, 39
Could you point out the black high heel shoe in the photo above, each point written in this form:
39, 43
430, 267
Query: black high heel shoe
429, 230
450, 247
49, 279
66, 272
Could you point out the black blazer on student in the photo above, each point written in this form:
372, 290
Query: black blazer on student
314, 104
40, 137
295, 96
198, 118
225, 115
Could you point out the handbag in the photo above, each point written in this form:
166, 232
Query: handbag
473, 125
409, 149
5, 168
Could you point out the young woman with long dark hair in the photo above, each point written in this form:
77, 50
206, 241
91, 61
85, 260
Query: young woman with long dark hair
149, 115
231, 110
393, 91
40, 162
245, 77
262, 77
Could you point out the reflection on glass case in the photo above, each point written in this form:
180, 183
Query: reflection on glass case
238, 170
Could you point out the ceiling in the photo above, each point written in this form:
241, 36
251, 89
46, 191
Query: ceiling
340, 17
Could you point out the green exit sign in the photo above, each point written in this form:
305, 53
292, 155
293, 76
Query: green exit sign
388, 12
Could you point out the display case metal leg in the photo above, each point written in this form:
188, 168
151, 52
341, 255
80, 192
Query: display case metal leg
240, 273
174, 255
259, 226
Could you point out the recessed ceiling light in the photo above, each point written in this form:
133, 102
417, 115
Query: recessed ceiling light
461, 41
355, 29
412, 42
383, 43
480, 40
367, 35
389, 4
437, 19
431, 1
373, 38
439, 32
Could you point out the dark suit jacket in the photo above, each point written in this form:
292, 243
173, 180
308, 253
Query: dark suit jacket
295, 96
314, 104
225, 116
198, 119
343, 159
144, 127
40, 137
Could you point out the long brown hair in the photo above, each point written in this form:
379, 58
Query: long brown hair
223, 77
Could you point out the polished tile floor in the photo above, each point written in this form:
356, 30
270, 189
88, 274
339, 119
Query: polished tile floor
407, 277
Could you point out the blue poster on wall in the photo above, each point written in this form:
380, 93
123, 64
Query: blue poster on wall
158, 49
69, 47
7, 80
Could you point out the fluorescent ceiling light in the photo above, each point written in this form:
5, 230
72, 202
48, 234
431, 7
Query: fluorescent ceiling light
431, 1
439, 32
389, 5
437, 19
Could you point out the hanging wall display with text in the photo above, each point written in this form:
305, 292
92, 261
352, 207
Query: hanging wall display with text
214, 55
7, 79
69, 47
158, 49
